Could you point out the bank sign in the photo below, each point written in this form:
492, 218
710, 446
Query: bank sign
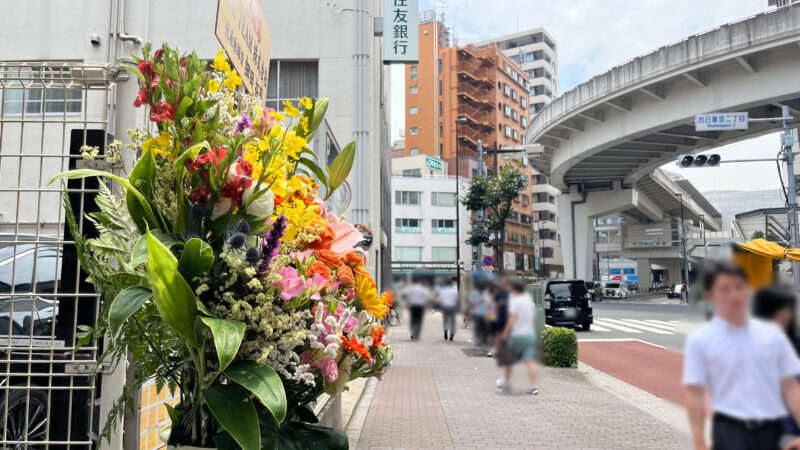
720, 121
400, 31
433, 163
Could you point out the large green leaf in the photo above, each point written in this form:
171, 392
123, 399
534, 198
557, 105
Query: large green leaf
139, 254
196, 259
174, 298
298, 435
341, 166
263, 381
228, 336
234, 410
125, 304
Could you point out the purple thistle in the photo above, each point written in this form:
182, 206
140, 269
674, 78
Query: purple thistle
244, 123
271, 242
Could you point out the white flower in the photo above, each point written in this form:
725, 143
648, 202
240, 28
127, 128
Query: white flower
263, 205
221, 207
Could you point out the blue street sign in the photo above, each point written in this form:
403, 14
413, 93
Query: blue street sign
487, 261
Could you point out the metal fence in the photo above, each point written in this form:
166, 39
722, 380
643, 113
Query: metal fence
48, 111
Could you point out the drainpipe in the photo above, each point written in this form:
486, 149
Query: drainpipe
572, 223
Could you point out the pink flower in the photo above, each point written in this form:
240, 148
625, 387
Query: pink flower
351, 323
346, 237
301, 256
371, 362
350, 293
316, 284
291, 284
330, 370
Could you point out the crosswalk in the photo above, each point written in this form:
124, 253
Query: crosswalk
634, 326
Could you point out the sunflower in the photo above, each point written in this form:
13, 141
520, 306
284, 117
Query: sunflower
365, 288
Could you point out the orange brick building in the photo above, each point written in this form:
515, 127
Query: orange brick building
490, 91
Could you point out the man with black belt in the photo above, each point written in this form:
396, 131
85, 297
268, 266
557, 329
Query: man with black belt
747, 367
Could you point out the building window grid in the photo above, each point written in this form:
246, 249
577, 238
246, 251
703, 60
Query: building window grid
413, 72
291, 80
413, 110
406, 225
443, 226
408, 198
443, 199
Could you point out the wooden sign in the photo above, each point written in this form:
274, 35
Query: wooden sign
242, 31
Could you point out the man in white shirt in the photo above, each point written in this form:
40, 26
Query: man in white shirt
519, 335
448, 300
747, 367
417, 296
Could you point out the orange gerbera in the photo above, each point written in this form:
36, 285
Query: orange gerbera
353, 346
377, 336
345, 275
321, 269
328, 257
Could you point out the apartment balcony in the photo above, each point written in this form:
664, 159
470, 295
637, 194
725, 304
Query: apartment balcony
480, 95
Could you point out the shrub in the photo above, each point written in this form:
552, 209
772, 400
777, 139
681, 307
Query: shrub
560, 347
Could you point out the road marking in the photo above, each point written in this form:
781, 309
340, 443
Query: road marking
670, 327
616, 327
671, 323
636, 325
596, 327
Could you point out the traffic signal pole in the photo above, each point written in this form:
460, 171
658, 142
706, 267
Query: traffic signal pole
791, 197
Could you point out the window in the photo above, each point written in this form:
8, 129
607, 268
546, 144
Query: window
290, 80
445, 226
526, 218
441, 153
515, 134
57, 99
514, 216
514, 115
443, 198
441, 130
413, 131
408, 253
523, 102
507, 110
529, 57
408, 225
413, 72
441, 87
407, 197
413, 89
527, 86
525, 200
443, 254
441, 109
514, 94
415, 173
441, 67
413, 110
506, 89
508, 131
524, 121
414, 150
509, 69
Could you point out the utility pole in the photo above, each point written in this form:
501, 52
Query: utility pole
791, 197
459, 121
685, 254
480, 213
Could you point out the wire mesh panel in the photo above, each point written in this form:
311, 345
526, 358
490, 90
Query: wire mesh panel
48, 111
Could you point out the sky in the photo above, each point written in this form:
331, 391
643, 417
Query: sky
594, 35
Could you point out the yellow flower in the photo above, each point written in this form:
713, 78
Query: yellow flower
304, 124
277, 116
232, 81
365, 288
293, 144
289, 109
160, 144
213, 86
220, 63
306, 103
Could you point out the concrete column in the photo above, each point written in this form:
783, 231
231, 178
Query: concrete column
675, 271
644, 273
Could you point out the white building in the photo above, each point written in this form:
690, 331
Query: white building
424, 214
731, 203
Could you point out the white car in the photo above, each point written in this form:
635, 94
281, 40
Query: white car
616, 290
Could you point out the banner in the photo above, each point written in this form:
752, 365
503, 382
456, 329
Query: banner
242, 31
400, 31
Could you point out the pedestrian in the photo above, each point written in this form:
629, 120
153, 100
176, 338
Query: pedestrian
448, 301
747, 367
520, 336
777, 303
500, 299
417, 296
478, 310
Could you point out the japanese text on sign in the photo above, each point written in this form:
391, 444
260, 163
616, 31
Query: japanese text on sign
721, 121
400, 31
242, 31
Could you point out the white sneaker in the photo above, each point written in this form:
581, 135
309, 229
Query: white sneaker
500, 383
533, 390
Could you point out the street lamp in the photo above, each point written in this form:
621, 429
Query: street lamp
459, 121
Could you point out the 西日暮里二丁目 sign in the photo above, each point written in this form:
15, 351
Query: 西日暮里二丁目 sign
242, 30
400, 31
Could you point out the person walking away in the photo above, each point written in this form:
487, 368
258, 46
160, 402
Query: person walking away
448, 300
519, 336
500, 313
478, 311
747, 366
417, 296
778, 304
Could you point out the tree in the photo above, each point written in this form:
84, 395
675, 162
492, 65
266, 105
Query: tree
493, 196
770, 236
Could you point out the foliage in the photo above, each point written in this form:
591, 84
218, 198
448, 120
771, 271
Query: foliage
560, 347
494, 197
224, 276
770, 236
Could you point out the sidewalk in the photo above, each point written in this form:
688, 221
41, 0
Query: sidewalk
442, 395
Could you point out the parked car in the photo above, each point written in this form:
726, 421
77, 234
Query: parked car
568, 303
596, 289
676, 291
616, 290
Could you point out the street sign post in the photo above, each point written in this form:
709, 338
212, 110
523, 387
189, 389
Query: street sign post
721, 121
487, 262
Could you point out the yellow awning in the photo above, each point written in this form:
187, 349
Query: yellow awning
757, 261
766, 248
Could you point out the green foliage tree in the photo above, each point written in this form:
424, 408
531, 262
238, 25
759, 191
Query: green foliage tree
493, 196
770, 236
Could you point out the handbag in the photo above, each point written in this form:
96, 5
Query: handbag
504, 354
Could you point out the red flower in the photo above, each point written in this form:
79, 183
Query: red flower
162, 111
200, 195
157, 55
213, 156
352, 345
142, 97
146, 69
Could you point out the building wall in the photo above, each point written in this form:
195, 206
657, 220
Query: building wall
730, 203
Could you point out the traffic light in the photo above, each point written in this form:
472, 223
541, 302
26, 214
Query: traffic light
687, 161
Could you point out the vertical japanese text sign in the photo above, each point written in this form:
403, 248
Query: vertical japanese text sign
400, 31
242, 31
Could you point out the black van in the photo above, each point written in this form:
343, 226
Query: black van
568, 303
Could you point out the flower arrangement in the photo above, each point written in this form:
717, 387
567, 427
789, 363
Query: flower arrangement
222, 269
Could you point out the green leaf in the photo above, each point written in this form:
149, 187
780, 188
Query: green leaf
234, 410
185, 103
228, 336
320, 174
139, 254
341, 166
173, 297
142, 178
264, 382
125, 304
196, 259
317, 115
